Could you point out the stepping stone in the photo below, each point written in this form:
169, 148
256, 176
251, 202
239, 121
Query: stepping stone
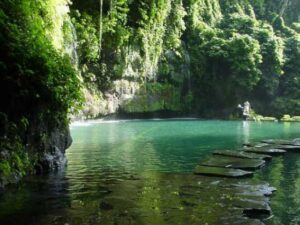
278, 142
233, 162
242, 154
261, 145
253, 190
272, 151
247, 145
296, 141
253, 208
290, 148
222, 172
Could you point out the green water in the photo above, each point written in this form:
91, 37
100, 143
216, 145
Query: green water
134, 163
163, 145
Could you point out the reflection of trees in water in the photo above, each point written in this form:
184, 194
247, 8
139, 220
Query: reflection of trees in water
284, 174
291, 173
36, 201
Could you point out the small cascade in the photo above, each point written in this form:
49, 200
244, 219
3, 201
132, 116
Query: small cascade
186, 69
71, 45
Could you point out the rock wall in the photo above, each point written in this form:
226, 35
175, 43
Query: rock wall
53, 157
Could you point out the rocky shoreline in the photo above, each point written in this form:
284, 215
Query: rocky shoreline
46, 154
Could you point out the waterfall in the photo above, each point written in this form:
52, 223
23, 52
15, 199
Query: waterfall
72, 44
283, 7
186, 69
100, 25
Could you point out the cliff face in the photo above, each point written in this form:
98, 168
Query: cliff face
124, 76
50, 148
146, 56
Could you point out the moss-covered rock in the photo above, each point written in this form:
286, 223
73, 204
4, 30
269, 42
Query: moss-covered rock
154, 97
256, 117
288, 118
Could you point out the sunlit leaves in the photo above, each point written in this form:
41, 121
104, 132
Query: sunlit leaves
38, 78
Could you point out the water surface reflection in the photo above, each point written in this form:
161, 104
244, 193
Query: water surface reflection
133, 173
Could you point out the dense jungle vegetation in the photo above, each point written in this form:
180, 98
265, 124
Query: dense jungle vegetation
194, 57
227, 50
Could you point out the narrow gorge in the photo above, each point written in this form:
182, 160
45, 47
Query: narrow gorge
64, 62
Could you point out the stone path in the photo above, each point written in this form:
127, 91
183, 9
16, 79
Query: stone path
251, 199
242, 154
219, 192
222, 172
233, 162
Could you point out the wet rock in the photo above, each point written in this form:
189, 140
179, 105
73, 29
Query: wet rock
261, 145
296, 141
247, 145
253, 206
221, 172
233, 162
253, 190
52, 160
242, 154
255, 209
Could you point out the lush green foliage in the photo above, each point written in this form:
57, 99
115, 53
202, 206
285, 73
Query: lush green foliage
240, 57
34, 76
37, 82
289, 90
227, 49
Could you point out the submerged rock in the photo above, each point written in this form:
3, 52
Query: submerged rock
221, 172
254, 190
253, 208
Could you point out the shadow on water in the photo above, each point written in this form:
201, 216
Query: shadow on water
27, 202
147, 198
